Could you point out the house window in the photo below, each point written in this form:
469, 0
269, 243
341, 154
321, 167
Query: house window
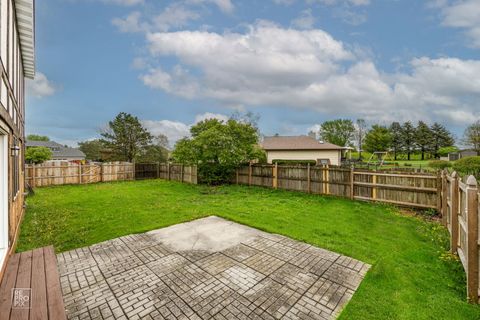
323, 162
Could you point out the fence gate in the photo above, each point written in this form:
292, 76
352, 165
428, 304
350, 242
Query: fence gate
146, 171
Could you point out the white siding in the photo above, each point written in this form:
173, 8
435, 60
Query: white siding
333, 155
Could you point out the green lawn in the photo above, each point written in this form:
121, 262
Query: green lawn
412, 275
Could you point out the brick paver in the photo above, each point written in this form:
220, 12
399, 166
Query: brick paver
266, 276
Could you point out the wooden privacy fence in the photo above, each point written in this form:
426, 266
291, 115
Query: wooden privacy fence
167, 171
460, 214
419, 190
62, 172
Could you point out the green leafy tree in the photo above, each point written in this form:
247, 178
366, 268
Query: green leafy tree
361, 129
94, 150
408, 139
218, 147
156, 151
397, 141
423, 138
378, 139
36, 137
37, 154
444, 151
126, 137
339, 132
471, 137
441, 138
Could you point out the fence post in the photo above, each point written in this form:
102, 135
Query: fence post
327, 179
158, 170
444, 198
101, 172
168, 170
275, 175
439, 192
236, 175
352, 177
374, 188
472, 239
34, 173
250, 174
79, 173
454, 213
309, 182
181, 173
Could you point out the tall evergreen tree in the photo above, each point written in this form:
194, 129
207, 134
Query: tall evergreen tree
408, 138
396, 134
441, 138
126, 136
378, 139
423, 138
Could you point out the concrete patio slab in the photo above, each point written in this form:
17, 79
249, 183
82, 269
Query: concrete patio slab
209, 268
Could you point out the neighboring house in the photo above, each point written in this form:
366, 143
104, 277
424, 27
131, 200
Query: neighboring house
301, 148
454, 156
17, 41
59, 152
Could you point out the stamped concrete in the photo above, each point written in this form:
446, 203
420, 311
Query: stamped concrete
209, 268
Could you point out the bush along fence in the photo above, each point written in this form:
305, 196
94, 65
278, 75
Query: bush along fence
61, 172
418, 190
460, 215
167, 171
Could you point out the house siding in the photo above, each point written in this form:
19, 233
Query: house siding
333, 155
12, 120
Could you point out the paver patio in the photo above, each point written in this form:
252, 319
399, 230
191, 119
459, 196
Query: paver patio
209, 268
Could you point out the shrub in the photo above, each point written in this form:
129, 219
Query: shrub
37, 155
439, 164
295, 162
407, 164
468, 166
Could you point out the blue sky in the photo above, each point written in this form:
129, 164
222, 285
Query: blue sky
296, 63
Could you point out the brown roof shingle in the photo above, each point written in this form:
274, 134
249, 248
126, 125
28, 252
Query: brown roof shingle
296, 143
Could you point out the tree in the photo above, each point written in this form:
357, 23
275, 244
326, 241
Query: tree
339, 131
360, 135
397, 141
378, 139
156, 151
218, 147
444, 151
471, 137
408, 138
441, 138
423, 138
37, 154
36, 137
126, 136
94, 150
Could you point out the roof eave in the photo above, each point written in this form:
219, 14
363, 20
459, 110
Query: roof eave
25, 12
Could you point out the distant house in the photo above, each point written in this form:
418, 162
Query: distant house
59, 152
301, 148
453, 156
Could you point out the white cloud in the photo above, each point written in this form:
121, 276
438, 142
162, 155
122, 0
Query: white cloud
305, 21
40, 87
209, 115
464, 14
172, 129
272, 66
175, 130
130, 23
174, 16
340, 2
224, 5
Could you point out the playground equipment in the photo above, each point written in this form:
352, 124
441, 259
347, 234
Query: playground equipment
379, 155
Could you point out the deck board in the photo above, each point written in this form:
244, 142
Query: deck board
35, 270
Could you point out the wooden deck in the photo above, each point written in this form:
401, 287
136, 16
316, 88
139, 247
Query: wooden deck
36, 273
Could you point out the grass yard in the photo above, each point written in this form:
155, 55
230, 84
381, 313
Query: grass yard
413, 276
